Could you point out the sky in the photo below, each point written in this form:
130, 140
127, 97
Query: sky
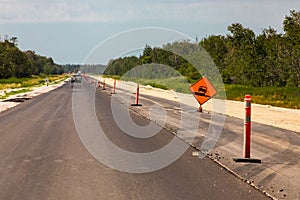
68, 30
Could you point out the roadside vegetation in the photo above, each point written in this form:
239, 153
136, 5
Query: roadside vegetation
243, 58
8, 94
12, 86
266, 65
287, 97
19, 64
21, 70
13, 83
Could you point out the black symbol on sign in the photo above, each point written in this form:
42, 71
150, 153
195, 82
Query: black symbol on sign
202, 91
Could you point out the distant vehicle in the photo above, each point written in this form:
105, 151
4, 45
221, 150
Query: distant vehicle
77, 78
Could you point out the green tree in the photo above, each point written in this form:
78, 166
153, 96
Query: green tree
14, 63
216, 46
291, 26
241, 57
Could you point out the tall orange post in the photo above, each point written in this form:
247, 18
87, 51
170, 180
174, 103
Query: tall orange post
114, 88
137, 96
247, 134
103, 88
247, 128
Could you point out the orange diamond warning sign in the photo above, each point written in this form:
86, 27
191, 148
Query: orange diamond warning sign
203, 90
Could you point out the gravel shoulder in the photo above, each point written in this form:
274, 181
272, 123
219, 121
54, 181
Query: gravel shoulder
15, 100
265, 114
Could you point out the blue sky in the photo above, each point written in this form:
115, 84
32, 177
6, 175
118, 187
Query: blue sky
67, 30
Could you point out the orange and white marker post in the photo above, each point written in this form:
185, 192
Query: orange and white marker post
103, 88
247, 128
247, 133
114, 88
137, 96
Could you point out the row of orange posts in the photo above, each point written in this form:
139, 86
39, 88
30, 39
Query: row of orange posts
114, 91
203, 90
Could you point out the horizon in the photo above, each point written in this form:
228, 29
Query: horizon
69, 30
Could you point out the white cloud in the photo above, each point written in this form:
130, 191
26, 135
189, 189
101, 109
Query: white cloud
33, 11
202, 11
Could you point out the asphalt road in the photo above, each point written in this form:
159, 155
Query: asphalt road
42, 157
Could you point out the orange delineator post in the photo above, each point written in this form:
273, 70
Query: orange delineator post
247, 128
114, 89
103, 88
137, 96
247, 134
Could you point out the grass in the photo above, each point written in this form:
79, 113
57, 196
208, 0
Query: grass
7, 94
179, 84
288, 97
22, 85
110, 76
13, 83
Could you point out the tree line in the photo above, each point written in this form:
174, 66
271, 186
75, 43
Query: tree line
84, 68
19, 64
241, 56
152, 64
267, 59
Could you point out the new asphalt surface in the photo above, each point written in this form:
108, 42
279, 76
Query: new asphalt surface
42, 156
